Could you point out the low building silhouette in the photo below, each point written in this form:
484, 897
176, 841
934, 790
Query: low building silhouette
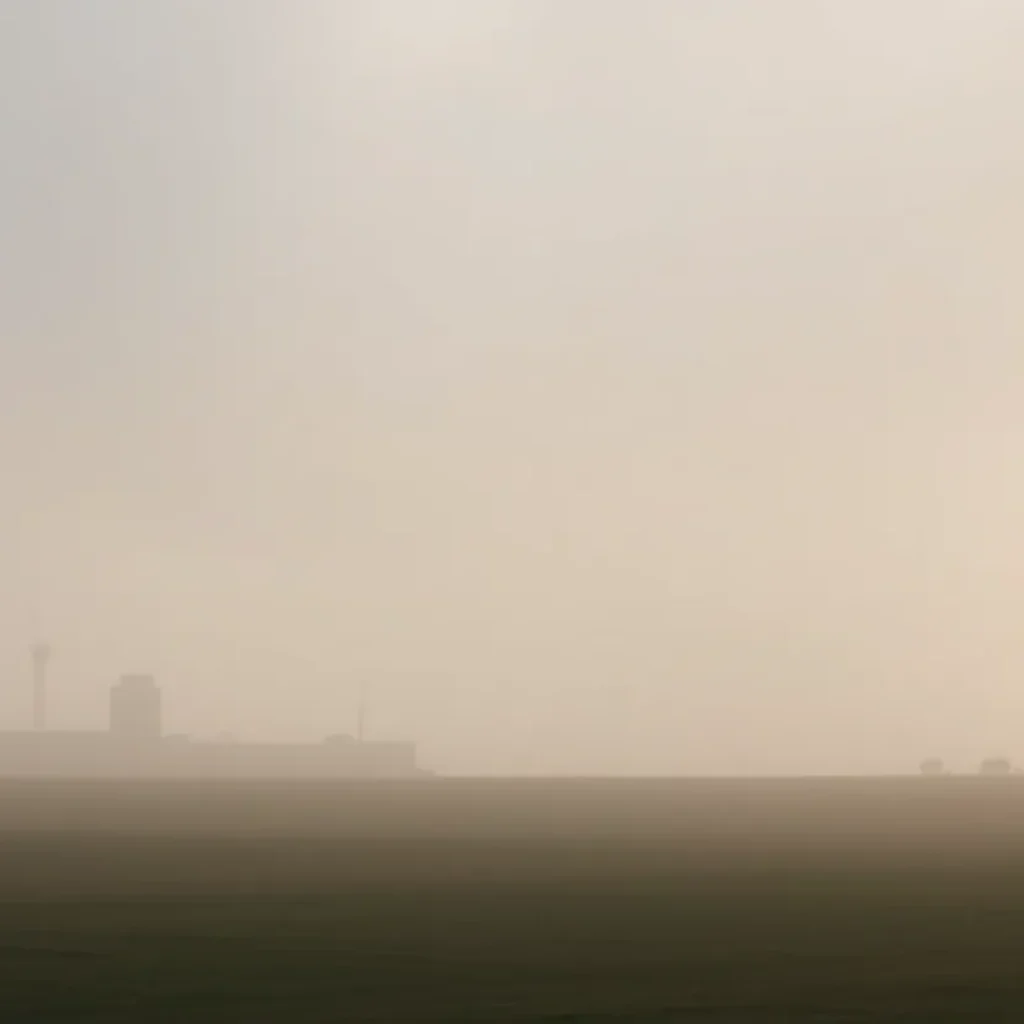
135, 746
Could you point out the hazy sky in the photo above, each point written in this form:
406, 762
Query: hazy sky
613, 385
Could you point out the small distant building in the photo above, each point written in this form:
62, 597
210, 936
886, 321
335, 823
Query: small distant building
995, 766
933, 766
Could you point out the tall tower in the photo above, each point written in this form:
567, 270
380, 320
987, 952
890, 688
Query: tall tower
135, 712
361, 715
40, 661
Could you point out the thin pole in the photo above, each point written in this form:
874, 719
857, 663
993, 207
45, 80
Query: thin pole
361, 715
40, 658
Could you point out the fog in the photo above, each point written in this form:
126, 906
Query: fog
606, 385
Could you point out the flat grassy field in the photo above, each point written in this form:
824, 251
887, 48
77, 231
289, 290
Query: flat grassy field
784, 901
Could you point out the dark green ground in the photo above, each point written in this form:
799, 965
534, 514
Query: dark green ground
786, 902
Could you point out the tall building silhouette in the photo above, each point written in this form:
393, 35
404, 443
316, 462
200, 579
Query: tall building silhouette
135, 709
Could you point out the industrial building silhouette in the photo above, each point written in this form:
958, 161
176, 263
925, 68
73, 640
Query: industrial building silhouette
135, 745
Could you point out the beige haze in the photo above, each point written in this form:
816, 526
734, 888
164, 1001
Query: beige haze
611, 385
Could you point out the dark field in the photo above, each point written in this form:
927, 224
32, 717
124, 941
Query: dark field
444, 900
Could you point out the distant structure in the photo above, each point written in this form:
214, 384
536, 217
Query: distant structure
40, 662
933, 766
995, 766
135, 709
135, 746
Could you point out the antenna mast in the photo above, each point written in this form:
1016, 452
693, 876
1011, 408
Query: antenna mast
40, 661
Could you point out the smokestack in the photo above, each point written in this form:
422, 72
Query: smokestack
40, 660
